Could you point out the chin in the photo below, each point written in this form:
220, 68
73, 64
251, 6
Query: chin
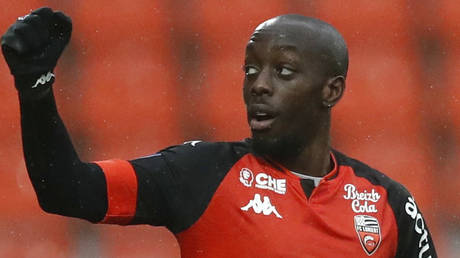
278, 148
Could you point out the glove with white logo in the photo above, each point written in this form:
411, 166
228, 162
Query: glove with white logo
33, 44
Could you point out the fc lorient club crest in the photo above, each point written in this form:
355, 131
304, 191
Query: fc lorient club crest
368, 230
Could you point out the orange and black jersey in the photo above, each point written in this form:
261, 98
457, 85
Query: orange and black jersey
222, 200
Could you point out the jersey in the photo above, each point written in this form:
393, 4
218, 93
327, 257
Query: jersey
223, 200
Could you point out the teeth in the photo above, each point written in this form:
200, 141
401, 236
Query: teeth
261, 114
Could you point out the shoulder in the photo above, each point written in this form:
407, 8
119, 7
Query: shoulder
198, 156
193, 156
202, 147
196, 151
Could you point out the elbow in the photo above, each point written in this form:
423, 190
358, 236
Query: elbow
69, 208
48, 205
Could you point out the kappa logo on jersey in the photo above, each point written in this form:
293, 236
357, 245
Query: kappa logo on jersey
362, 201
263, 181
419, 226
368, 230
265, 207
246, 177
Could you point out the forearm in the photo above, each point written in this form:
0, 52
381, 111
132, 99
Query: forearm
64, 185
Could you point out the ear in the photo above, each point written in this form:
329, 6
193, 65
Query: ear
333, 91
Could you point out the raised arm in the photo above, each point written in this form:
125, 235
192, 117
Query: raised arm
64, 185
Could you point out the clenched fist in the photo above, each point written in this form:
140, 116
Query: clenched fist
33, 44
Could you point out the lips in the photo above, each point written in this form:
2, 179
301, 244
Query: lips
261, 117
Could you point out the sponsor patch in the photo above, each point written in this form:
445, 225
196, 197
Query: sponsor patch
368, 230
262, 181
266, 208
419, 227
361, 201
246, 177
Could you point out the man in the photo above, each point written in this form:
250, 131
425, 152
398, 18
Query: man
282, 193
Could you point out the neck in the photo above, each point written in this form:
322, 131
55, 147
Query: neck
314, 158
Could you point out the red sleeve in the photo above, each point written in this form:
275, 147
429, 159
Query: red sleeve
121, 191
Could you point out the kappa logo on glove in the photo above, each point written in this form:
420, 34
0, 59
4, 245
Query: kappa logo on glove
43, 79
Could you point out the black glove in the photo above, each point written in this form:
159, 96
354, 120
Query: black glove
33, 44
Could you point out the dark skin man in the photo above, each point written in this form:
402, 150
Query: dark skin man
282, 193
290, 86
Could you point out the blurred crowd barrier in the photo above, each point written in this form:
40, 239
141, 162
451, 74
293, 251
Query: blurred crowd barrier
140, 76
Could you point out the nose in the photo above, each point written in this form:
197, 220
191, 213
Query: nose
262, 85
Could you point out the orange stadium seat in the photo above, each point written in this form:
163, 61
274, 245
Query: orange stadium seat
126, 79
226, 26
450, 179
440, 18
138, 241
381, 92
112, 23
12, 10
363, 23
129, 104
38, 236
450, 21
452, 77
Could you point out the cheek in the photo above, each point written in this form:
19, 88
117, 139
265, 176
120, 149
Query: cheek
246, 94
303, 107
301, 98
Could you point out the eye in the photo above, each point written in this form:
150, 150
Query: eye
250, 70
285, 72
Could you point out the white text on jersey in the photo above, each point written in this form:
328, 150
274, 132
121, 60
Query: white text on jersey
361, 200
264, 181
419, 226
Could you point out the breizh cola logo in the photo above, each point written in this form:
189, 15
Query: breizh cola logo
362, 201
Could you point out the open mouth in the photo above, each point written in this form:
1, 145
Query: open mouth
261, 120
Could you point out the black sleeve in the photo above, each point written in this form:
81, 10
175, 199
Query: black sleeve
176, 185
64, 185
153, 185
414, 238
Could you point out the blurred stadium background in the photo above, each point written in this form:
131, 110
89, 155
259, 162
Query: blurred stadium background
141, 75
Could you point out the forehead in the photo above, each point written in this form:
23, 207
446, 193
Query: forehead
281, 38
